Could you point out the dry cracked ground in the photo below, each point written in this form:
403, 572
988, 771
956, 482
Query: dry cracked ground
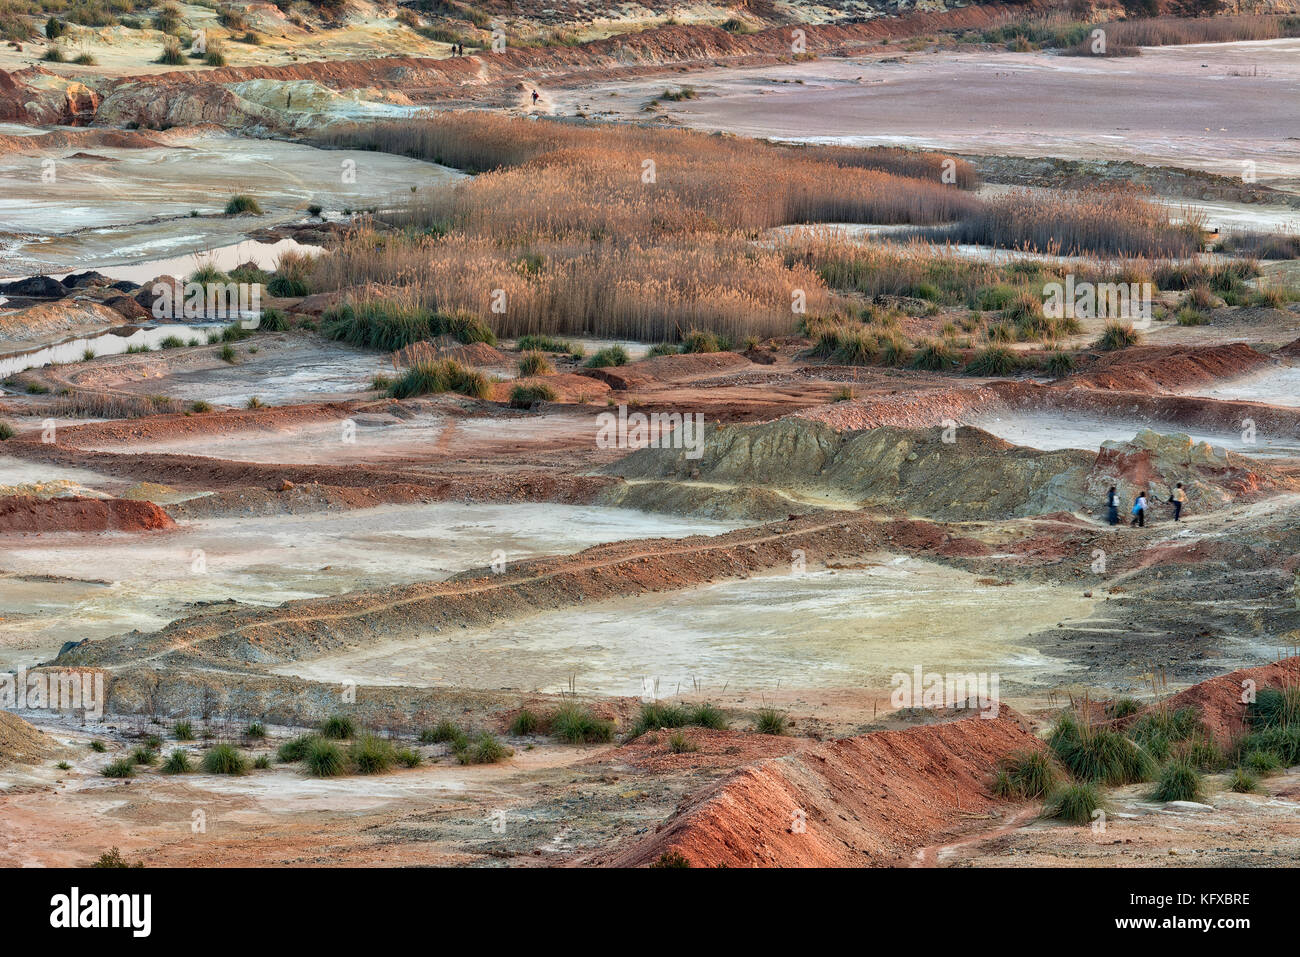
645, 591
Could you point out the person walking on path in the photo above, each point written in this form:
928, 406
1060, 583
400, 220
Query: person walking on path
1140, 510
1176, 499
1112, 506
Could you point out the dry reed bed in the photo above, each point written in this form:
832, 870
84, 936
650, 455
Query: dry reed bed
552, 179
1170, 31
650, 293
1098, 221
572, 232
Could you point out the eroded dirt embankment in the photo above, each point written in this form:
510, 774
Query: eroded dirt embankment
1168, 368
310, 628
1130, 410
273, 488
296, 702
869, 801
238, 96
26, 513
1219, 700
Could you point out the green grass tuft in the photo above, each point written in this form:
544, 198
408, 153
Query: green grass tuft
178, 762
121, 768
371, 754
577, 725
338, 726
1025, 774
485, 749
242, 203
525, 722
1073, 803
323, 759
771, 721
224, 759
1179, 781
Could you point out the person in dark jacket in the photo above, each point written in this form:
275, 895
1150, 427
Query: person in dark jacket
1112, 506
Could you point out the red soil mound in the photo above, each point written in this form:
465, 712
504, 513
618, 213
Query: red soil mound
1169, 368
568, 386
649, 372
867, 801
162, 427
25, 513
1219, 699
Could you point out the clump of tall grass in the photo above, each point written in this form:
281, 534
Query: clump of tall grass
371, 754
324, 759
1100, 221
993, 360
1275, 707
183, 731
272, 320
243, 203
1179, 780
485, 749
527, 396
338, 727
706, 715
609, 356
525, 722
1074, 803
535, 363
392, 324
678, 743
659, 714
534, 343
438, 376
1178, 31
771, 721
1098, 754
1243, 781
1262, 762
445, 732
698, 340
1058, 364
292, 274
1025, 774
1117, 335
577, 725
224, 759
121, 768
934, 354
554, 178
178, 762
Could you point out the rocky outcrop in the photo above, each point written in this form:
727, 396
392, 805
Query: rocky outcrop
52, 321
959, 475
36, 96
